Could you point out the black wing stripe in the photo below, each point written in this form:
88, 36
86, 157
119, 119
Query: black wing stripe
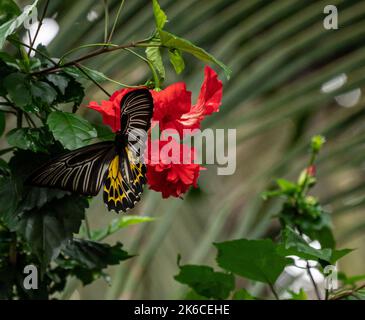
136, 114
80, 171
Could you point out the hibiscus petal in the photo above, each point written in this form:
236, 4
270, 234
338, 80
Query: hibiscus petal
209, 100
211, 92
170, 104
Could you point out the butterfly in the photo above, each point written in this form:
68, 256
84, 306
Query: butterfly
116, 166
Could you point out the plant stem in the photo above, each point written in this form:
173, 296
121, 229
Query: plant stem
326, 294
87, 227
115, 21
106, 23
112, 80
313, 282
150, 64
273, 291
347, 293
35, 50
310, 163
30, 120
92, 54
19, 120
39, 27
85, 46
78, 66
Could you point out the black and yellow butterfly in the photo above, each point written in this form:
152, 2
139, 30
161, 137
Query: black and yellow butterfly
115, 164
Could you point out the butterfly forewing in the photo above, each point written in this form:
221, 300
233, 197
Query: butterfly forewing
81, 171
136, 114
117, 164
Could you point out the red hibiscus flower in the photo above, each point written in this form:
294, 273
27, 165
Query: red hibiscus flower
110, 109
172, 105
172, 110
166, 172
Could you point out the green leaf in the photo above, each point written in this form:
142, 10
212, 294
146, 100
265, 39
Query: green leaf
120, 223
154, 55
86, 259
59, 81
206, 282
253, 259
17, 85
243, 294
301, 295
71, 130
338, 254
95, 255
48, 230
192, 295
77, 73
176, 60
9, 60
8, 10
160, 16
9, 197
2, 123
294, 244
352, 280
35, 197
34, 139
324, 235
287, 186
34, 64
74, 93
21, 165
171, 41
42, 93
104, 132
4, 167
10, 26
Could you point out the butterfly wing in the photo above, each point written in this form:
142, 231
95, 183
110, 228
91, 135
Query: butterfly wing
136, 114
123, 182
126, 174
81, 171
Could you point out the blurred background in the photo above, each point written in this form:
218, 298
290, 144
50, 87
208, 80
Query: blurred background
291, 79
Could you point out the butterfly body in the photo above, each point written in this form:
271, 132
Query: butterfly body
116, 166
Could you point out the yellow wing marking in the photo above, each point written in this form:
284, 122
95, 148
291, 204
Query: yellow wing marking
114, 189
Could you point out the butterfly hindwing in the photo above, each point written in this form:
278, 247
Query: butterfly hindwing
81, 171
123, 182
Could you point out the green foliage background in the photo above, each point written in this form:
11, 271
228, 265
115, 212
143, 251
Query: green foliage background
280, 55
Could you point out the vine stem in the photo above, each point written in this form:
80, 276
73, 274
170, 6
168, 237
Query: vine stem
273, 291
87, 227
92, 54
347, 293
313, 282
106, 23
39, 27
35, 50
150, 64
78, 66
115, 22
